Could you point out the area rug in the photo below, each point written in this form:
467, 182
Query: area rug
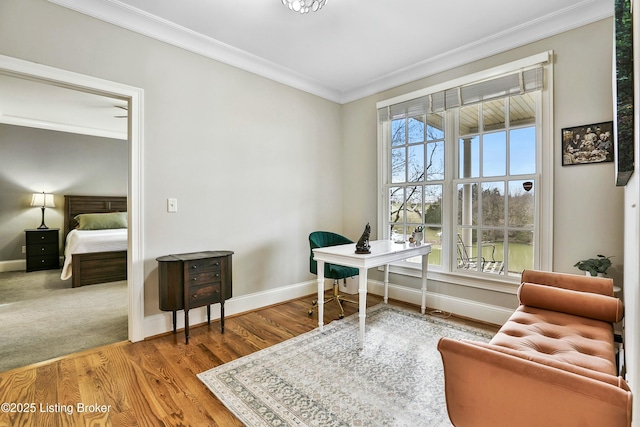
324, 379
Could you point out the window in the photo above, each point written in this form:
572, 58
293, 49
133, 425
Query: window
462, 163
495, 185
417, 177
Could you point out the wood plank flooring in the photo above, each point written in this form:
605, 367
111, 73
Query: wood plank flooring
153, 382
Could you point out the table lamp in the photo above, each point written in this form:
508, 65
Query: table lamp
43, 200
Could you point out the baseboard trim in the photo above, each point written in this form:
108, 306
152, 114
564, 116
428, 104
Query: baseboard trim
13, 265
459, 306
161, 323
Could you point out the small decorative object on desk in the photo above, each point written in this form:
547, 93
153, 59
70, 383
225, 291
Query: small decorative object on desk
416, 236
595, 266
363, 246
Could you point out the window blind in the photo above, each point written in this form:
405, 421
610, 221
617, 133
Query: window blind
520, 82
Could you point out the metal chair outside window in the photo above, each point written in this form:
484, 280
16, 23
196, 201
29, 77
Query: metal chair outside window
466, 262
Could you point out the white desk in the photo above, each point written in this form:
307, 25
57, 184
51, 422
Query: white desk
383, 252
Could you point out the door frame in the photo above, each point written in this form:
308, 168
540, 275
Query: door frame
135, 204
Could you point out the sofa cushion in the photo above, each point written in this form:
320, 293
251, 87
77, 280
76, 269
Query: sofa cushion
585, 304
596, 285
551, 335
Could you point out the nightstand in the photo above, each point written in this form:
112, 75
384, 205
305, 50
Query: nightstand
43, 251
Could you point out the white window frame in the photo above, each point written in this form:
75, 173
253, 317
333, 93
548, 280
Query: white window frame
543, 235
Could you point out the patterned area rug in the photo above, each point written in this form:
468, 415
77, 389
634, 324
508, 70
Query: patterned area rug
324, 379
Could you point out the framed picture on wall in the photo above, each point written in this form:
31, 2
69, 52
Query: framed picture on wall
587, 144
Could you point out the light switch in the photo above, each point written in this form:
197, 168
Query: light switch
172, 205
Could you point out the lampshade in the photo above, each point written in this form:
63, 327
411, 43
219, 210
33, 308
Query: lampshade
304, 6
43, 200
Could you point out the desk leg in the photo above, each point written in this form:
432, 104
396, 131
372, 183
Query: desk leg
320, 294
362, 309
425, 265
386, 283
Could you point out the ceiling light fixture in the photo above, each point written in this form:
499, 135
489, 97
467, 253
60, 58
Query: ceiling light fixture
304, 6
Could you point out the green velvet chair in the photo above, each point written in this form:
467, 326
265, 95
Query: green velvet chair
323, 239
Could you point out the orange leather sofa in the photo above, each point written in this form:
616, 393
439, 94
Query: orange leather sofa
553, 363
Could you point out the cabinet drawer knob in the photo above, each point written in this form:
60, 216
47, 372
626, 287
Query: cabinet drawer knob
41, 237
194, 266
42, 249
194, 279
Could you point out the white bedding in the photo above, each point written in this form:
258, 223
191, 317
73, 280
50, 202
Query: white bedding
85, 241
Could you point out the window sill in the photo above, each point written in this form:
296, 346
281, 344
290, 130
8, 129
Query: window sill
507, 285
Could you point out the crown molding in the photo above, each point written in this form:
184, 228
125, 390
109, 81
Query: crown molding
584, 13
125, 16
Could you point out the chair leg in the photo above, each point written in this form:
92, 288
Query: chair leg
335, 297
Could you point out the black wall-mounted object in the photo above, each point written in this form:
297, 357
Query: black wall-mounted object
623, 88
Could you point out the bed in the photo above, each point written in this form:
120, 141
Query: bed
96, 255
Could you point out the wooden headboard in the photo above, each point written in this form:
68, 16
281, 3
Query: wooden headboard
75, 205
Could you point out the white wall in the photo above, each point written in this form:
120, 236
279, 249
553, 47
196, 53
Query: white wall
588, 213
255, 165
632, 240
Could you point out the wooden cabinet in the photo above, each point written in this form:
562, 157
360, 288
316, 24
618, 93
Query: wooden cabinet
42, 247
192, 280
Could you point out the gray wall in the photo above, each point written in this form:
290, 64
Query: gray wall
256, 165
588, 208
35, 160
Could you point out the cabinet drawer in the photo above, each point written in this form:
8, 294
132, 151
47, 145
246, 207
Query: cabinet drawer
202, 277
203, 295
43, 262
38, 249
199, 265
34, 237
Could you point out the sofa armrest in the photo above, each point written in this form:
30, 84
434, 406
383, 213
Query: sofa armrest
584, 304
574, 282
484, 387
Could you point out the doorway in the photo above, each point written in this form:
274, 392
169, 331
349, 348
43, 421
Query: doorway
134, 99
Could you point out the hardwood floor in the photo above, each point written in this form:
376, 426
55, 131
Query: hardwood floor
153, 382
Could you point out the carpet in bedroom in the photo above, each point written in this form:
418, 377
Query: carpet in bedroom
43, 317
